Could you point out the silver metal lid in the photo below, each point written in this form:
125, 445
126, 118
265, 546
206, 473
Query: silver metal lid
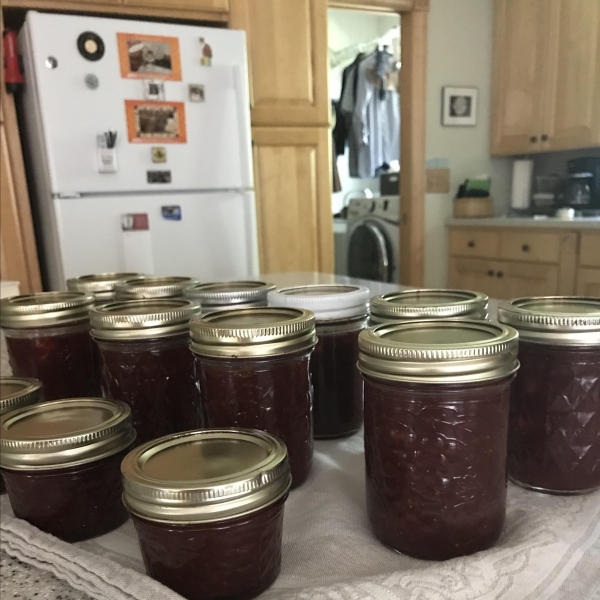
562, 320
236, 294
44, 309
428, 304
151, 287
205, 475
102, 285
16, 392
439, 351
253, 332
64, 433
142, 319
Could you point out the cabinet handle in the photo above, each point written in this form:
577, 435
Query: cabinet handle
525, 248
471, 244
533, 139
490, 273
499, 274
544, 138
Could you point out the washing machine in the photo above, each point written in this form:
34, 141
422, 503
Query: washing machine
373, 238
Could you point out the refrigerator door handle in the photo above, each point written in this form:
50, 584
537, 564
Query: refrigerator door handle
240, 80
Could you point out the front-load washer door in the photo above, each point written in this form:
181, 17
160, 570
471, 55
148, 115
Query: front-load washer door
370, 252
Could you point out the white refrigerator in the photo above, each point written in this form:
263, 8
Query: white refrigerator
138, 147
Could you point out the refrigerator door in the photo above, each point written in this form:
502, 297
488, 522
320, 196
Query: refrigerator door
72, 100
208, 236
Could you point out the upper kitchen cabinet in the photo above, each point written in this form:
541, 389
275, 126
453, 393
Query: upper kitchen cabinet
546, 76
287, 46
192, 5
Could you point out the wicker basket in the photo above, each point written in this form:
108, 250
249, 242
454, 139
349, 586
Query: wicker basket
473, 207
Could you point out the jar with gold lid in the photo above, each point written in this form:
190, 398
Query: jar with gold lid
252, 366
152, 287
436, 426
60, 462
48, 338
554, 436
100, 285
341, 314
408, 305
222, 295
145, 362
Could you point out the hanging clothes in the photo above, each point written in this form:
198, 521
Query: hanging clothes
344, 115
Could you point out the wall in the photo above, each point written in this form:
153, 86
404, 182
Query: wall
459, 53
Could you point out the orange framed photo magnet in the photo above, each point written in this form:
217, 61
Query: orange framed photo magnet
151, 122
149, 56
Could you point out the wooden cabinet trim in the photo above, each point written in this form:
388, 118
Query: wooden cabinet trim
589, 252
381, 5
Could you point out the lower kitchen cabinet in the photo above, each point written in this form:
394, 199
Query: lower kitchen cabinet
588, 282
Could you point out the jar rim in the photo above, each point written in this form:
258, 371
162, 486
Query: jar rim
153, 287
99, 283
235, 292
16, 392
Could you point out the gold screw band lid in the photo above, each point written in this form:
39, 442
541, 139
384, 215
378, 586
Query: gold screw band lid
205, 475
16, 392
102, 285
150, 287
221, 294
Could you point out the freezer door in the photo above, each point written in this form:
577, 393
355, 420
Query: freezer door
76, 100
209, 236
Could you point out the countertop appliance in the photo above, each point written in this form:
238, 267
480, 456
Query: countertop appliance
373, 238
583, 183
139, 149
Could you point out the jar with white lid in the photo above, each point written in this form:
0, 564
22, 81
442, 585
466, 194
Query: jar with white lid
554, 441
341, 314
100, 285
406, 305
152, 287
223, 295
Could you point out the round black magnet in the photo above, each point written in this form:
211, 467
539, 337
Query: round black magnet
90, 45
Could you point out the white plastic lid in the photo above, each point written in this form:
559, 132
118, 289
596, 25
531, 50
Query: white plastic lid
328, 301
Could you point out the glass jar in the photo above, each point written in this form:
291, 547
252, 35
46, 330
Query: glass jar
554, 439
146, 362
252, 366
60, 461
101, 285
436, 426
341, 314
149, 287
16, 392
48, 338
208, 510
409, 305
223, 295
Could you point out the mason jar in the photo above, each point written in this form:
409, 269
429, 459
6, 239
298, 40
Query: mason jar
208, 510
222, 295
60, 462
150, 287
341, 314
436, 426
48, 338
554, 440
409, 305
145, 362
252, 367
100, 285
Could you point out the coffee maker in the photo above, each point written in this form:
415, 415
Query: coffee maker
583, 183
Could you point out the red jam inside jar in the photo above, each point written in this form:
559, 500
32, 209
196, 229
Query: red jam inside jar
146, 363
60, 461
554, 439
436, 425
252, 367
200, 543
47, 337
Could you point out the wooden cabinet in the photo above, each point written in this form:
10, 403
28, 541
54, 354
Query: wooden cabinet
287, 47
293, 196
193, 5
473, 274
588, 282
546, 76
588, 273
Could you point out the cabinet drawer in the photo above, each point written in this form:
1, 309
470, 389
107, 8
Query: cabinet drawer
474, 242
530, 246
589, 253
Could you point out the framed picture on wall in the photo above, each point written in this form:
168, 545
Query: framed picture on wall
459, 106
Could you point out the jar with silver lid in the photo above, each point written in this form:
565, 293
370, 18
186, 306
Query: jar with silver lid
222, 295
208, 510
436, 426
145, 362
252, 367
150, 287
48, 338
406, 305
554, 436
101, 285
341, 314
60, 461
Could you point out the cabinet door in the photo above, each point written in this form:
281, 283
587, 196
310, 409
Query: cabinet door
525, 279
588, 282
589, 253
287, 46
194, 5
475, 274
572, 117
293, 199
518, 73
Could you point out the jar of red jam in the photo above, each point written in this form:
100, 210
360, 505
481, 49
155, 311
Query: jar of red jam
48, 338
436, 426
60, 462
16, 392
208, 509
222, 295
101, 285
407, 305
554, 436
151, 287
252, 366
146, 362
341, 314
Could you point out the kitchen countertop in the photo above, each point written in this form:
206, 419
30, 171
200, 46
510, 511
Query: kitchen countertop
551, 223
